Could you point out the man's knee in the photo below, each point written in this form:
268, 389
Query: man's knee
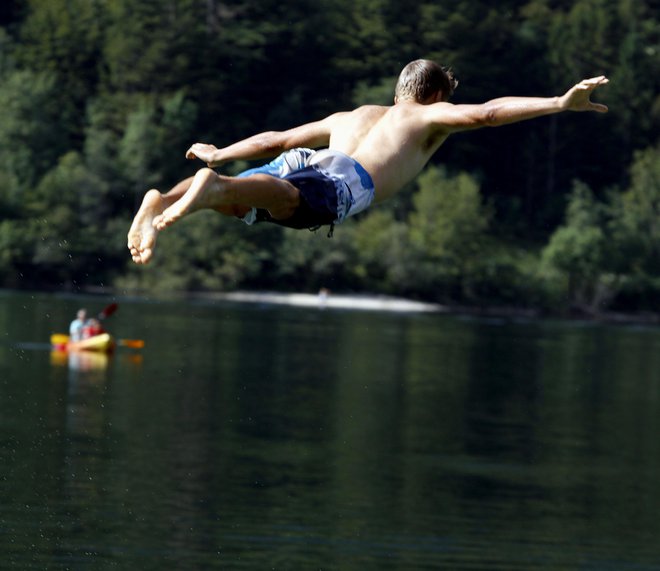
206, 173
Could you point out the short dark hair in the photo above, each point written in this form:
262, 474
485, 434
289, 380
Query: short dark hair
422, 78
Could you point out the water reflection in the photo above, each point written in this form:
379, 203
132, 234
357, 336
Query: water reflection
81, 361
261, 438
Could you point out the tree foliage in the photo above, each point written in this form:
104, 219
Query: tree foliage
99, 101
578, 248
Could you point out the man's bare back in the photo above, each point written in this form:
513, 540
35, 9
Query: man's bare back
392, 143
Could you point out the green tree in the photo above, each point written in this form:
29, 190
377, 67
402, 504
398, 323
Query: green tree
634, 91
137, 142
637, 216
579, 40
154, 141
69, 225
578, 251
447, 231
310, 260
383, 261
617, 38
6, 53
153, 46
63, 38
15, 247
30, 131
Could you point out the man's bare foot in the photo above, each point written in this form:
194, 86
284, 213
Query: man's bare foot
205, 191
142, 234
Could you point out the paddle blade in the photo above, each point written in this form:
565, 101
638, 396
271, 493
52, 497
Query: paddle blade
59, 339
108, 310
132, 343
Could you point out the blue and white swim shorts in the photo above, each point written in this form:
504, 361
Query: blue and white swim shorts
332, 185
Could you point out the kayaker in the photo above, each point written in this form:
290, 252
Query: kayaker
371, 153
91, 328
77, 325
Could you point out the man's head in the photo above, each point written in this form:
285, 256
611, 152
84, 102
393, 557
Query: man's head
424, 79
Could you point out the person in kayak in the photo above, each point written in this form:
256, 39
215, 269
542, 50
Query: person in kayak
92, 328
371, 152
77, 326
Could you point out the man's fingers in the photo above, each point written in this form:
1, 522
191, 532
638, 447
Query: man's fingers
593, 82
200, 151
190, 153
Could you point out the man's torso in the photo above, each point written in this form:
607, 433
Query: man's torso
392, 143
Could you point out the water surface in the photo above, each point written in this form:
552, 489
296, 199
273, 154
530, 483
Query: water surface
263, 437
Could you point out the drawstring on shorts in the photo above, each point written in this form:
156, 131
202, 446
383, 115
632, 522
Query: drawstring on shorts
331, 232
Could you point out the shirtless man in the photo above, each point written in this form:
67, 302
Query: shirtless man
371, 152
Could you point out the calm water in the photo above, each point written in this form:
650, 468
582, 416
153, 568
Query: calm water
256, 437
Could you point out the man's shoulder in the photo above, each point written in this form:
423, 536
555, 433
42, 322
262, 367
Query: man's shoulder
369, 113
365, 114
371, 109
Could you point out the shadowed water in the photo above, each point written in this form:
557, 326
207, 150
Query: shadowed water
260, 437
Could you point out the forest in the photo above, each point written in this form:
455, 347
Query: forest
99, 100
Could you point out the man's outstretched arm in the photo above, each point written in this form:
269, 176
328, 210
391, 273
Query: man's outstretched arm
266, 145
505, 110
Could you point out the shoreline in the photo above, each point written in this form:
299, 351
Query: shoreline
331, 301
370, 302
375, 302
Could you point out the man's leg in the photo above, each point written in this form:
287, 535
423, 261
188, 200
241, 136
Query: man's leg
209, 190
231, 196
142, 233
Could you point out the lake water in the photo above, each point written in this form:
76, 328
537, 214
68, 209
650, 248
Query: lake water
250, 436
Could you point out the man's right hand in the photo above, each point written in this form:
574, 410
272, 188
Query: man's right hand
577, 98
204, 152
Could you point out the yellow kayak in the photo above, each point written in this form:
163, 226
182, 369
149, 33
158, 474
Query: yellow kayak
101, 343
